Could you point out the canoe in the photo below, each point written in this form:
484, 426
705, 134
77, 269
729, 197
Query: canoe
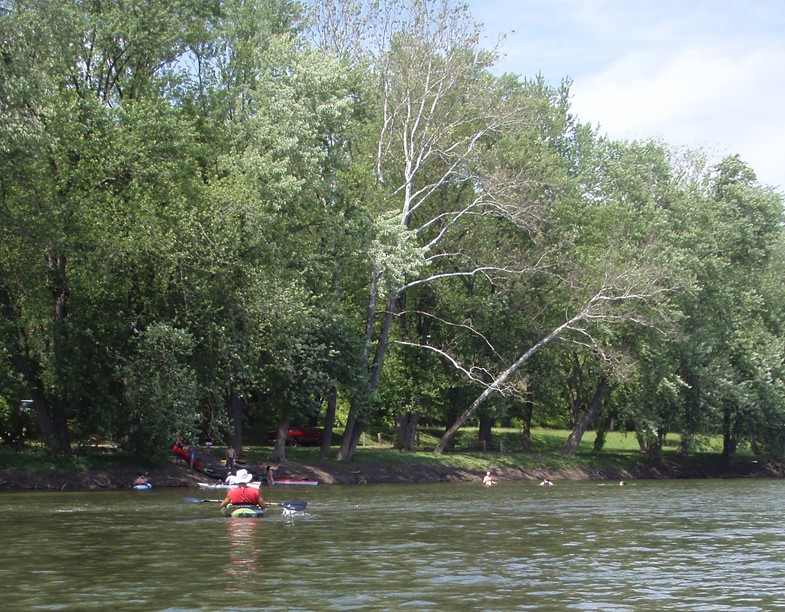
222, 485
242, 511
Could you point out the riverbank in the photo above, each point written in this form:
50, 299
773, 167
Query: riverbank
397, 468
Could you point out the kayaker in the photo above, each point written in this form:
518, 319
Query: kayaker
243, 495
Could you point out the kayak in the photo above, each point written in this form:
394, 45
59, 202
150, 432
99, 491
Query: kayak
183, 454
290, 508
256, 485
296, 481
198, 466
223, 485
242, 511
142, 487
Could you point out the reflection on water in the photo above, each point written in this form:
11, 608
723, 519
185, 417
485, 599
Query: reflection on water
244, 564
683, 545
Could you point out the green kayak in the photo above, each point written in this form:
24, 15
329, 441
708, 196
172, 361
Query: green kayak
242, 511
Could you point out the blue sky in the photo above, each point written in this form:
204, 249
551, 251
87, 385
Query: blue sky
706, 74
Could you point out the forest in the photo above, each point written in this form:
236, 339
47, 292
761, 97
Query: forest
219, 217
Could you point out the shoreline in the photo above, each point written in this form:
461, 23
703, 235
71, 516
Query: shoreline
171, 474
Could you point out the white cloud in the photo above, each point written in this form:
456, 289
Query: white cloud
701, 97
696, 74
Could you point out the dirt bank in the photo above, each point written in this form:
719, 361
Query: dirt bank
171, 474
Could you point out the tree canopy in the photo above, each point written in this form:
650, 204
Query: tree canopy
217, 217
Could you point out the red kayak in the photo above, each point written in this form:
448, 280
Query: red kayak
183, 454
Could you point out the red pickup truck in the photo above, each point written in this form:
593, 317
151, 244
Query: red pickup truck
297, 435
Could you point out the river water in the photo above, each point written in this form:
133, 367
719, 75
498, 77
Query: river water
651, 545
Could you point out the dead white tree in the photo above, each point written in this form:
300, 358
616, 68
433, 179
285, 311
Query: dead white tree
632, 295
440, 111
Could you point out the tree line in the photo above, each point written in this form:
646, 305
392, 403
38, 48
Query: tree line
217, 215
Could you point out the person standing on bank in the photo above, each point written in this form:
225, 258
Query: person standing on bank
230, 458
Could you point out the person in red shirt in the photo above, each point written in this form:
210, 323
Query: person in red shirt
243, 496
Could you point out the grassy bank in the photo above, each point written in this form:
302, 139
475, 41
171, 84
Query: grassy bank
376, 460
620, 455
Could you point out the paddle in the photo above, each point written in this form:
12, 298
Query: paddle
297, 505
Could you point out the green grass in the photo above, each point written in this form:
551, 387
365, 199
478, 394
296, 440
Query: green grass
375, 451
621, 451
36, 458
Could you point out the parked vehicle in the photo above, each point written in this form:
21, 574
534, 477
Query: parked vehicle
297, 435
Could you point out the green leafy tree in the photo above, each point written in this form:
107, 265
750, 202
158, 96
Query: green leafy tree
82, 84
162, 389
731, 325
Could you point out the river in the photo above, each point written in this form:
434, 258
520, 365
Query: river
651, 545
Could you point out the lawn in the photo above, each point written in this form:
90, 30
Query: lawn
376, 450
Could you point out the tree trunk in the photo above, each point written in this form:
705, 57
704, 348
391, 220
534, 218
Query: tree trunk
449, 435
58, 406
346, 450
279, 448
51, 415
691, 408
28, 371
604, 425
593, 409
236, 419
329, 423
730, 438
355, 426
348, 432
406, 429
485, 431
599, 441
528, 411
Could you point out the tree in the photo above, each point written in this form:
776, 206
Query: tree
288, 232
612, 267
81, 83
730, 327
439, 113
162, 388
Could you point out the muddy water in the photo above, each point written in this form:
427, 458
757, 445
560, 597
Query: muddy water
683, 545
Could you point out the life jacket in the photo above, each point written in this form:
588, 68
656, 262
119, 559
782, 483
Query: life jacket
244, 496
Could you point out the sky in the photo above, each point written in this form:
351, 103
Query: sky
706, 74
